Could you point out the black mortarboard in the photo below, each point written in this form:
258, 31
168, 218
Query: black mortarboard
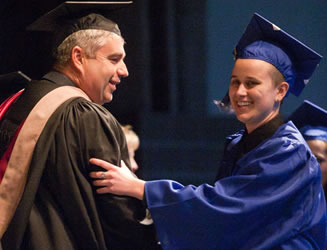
265, 41
311, 120
72, 16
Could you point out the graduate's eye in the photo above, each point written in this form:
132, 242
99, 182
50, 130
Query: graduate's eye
251, 83
235, 82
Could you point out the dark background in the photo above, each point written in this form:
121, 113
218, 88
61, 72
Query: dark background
179, 56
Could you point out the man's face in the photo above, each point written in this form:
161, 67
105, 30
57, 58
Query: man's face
102, 73
253, 93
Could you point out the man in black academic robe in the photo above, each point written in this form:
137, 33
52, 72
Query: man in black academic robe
59, 208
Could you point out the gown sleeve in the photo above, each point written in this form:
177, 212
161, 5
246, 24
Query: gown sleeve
88, 130
273, 195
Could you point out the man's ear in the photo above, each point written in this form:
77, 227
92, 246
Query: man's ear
282, 90
78, 57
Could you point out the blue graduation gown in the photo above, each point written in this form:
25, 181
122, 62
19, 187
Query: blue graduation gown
272, 199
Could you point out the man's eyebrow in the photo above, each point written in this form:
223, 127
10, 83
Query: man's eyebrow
117, 55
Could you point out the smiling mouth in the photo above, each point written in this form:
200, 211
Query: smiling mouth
113, 86
243, 104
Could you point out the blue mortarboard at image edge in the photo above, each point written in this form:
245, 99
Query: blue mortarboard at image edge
311, 120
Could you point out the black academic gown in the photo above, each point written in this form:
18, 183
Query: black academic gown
60, 208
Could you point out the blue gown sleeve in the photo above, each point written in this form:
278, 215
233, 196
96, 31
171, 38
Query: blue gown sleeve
273, 198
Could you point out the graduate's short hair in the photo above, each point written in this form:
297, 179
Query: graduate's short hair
90, 40
277, 76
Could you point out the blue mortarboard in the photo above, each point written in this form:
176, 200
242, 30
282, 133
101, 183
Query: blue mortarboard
311, 120
265, 41
72, 16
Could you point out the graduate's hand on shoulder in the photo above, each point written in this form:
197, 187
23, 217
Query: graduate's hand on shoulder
116, 180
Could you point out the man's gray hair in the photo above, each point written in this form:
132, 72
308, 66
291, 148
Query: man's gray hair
90, 40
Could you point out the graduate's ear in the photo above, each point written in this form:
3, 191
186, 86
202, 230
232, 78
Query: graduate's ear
282, 90
78, 57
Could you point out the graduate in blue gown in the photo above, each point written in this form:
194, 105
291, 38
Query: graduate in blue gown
268, 192
311, 120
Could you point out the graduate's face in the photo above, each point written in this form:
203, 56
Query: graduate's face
254, 95
102, 73
319, 149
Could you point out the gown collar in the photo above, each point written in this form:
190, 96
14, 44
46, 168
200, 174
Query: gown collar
250, 141
58, 78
